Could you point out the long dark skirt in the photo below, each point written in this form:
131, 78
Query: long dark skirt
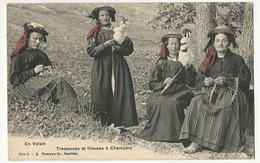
166, 115
220, 129
119, 108
49, 88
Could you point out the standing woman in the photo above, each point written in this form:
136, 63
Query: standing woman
116, 106
166, 111
217, 117
27, 70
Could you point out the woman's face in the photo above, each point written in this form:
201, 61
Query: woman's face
104, 17
34, 40
221, 43
173, 46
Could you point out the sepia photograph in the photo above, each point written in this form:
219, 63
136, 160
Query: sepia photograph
169, 80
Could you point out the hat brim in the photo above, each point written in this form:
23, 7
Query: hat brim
35, 27
108, 8
227, 31
45, 33
167, 36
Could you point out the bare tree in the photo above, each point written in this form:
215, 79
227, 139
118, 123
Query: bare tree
205, 21
246, 44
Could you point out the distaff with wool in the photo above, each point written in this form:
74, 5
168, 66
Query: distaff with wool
165, 111
110, 105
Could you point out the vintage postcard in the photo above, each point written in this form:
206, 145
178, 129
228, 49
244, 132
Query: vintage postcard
166, 80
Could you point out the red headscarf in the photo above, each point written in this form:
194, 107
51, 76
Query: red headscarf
94, 31
21, 42
209, 60
163, 51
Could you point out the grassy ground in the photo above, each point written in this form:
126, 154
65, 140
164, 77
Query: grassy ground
68, 25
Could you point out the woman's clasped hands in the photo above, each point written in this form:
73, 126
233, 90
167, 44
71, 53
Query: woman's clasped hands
209, 81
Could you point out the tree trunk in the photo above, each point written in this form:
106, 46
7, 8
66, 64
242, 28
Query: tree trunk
205, 21
246, 44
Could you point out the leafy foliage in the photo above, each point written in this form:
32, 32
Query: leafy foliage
233, 16
176, 15
173, 15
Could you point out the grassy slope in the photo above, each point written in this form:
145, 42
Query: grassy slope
68, 24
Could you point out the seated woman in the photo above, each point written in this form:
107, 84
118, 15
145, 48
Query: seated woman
217, 117
166, 110
27, 70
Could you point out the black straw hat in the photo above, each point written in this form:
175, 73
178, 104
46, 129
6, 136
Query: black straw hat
171, 35
111, 10
108, 8
222, 29
35, 27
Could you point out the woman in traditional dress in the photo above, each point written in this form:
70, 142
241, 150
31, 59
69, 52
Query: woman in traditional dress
112, 93
166, 110
217, 117
27, 70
